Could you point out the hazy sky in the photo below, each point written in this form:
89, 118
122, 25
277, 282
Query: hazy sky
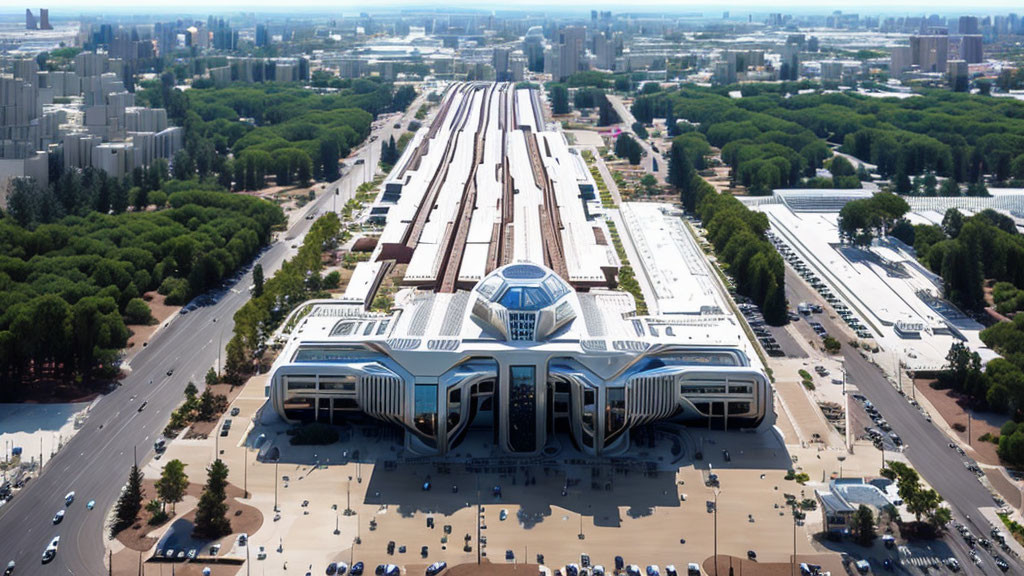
73, 7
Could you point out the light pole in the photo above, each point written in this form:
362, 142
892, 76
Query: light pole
276, 479
793, 563
245, 472
348, 497
716, 531
842, 458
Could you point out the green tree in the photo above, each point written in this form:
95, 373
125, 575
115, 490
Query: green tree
559, 95
236, 365
211, 512
864, 525
211, 379
137, 312
257, 281
172, 484
126, 511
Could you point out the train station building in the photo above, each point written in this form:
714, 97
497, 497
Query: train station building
511, 320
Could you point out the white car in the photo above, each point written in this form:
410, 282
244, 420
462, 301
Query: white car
58, 517
69, 498
51, 551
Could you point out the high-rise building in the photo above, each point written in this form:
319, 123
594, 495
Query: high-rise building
572, 41
971, 49
832, 70
44, 19
605, 50
930, 52
900, 60
262, 36
789, 67
957, 72
968, 25
502, 73
30, 20
533, 48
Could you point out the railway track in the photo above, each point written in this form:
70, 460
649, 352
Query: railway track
455, 243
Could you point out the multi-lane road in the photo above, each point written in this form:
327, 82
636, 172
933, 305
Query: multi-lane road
95, 462
927, 446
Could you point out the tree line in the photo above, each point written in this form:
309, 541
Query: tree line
66, 286
244, 133
297, 281
738, 235
957, 136
967, 250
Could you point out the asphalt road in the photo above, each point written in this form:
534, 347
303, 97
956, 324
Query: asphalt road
647, 162
927, 446
96, 461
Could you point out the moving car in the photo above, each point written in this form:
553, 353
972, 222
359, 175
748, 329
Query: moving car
10, 568
69, 498
58, 517
51, 550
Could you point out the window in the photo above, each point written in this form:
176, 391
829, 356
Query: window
739, 408
425, 409
454, 408
615, 412
338, 383
522, 408
300, 382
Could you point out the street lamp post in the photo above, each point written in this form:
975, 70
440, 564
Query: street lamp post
793, 563
716, 531
276, 479
245, 470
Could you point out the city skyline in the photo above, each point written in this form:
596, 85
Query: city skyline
68, 9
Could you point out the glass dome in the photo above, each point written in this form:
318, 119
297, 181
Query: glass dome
523, 301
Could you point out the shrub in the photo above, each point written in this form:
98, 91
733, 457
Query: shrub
832, 345
805, 374
808, 384
137, 312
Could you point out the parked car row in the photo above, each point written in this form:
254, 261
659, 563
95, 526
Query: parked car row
802, 269
755, 319
883, 431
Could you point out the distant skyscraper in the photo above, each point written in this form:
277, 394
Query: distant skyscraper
30, 20
957, 72
930, 52
502, 73
533, 48
262, 36
968, 25
900, 61
44, 19
971, 48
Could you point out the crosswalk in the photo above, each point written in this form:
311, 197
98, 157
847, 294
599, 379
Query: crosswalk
921, 561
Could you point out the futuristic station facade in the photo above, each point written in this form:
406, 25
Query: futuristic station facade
528, 344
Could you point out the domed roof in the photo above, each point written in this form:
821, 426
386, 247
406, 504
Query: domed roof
517, 298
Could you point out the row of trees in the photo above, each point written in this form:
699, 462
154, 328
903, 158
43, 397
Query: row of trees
67, 286
966, 251
211, 512
923, 503
298, 280
738, 235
